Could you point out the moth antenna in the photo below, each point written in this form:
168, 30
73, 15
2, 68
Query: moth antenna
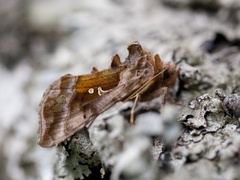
158, 62
116, 62
94, 70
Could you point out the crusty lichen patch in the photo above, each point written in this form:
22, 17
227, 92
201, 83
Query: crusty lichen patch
78, 158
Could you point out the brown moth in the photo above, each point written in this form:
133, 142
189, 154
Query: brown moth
71, 102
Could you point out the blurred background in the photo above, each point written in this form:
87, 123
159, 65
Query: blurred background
41, 40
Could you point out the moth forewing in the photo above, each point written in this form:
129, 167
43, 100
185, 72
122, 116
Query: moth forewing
63, 103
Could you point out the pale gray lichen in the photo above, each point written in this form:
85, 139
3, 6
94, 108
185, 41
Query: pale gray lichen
108, 135
77, 157
127, 150
210, 134
123, 149
189, 75
208, 114
135, 161
232, 103
208, 137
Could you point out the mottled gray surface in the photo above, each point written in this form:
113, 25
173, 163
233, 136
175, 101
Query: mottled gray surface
42, 40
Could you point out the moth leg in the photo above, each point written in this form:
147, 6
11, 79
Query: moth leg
133, 109
165, 95
161, 93
164, 92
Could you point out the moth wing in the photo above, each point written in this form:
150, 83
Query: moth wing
62, 110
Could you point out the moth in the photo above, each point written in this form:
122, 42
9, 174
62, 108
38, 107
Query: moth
71, 102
